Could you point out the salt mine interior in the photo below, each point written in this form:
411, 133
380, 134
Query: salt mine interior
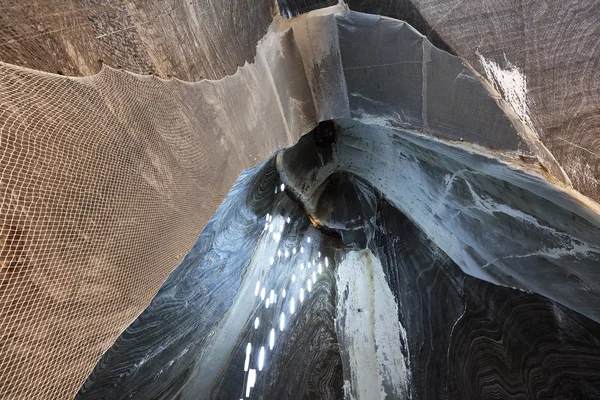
300, 199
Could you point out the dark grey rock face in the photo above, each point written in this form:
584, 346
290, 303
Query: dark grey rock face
189, 40
470, 339
372, 307
552, 45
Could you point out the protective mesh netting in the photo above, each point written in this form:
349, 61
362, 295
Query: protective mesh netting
105, 183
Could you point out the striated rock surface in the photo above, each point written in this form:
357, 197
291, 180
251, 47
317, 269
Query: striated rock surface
423, 241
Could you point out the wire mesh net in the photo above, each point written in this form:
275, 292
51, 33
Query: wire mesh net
105, 183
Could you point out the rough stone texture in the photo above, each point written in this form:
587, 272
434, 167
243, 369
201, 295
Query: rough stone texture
556, 46
189, 40
52, 124
293, 8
